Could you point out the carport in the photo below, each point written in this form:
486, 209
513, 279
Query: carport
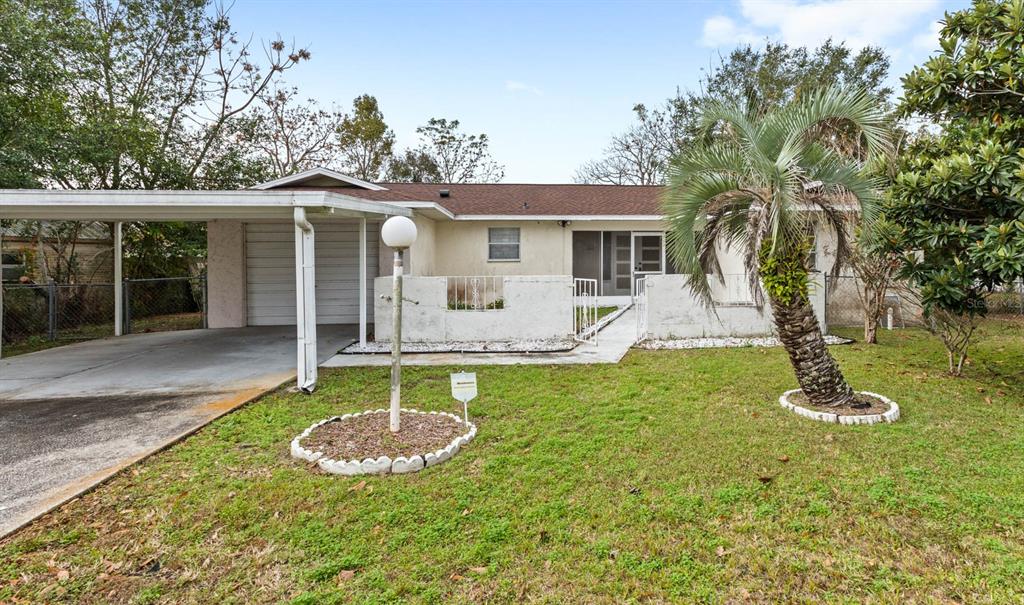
303, 212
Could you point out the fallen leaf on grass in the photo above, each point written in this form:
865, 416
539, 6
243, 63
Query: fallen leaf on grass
988, 400
346, 574
721, 552
783, 458
765, 479
478, 570
63, 575
357, 486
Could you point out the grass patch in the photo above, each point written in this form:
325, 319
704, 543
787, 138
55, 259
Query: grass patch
582, 317
673, 476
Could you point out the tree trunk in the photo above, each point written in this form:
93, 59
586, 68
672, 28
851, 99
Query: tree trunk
816, 370
870, 329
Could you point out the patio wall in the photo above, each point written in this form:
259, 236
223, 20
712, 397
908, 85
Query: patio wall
673, 311
534, 307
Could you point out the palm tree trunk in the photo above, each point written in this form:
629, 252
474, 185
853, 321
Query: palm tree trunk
816, 370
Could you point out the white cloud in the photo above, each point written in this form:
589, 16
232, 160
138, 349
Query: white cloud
723, 31
929, 41
857, 22
516, 86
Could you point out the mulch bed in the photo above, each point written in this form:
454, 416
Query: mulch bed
370, 436
871, 405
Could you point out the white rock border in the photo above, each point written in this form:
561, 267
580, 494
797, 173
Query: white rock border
891, 416
723, 342
383, 464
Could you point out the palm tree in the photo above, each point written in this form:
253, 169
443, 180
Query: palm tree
763, 185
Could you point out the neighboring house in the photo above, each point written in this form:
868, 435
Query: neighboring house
30, 249
304, 249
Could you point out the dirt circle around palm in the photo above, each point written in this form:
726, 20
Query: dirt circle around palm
362, 443
868, 408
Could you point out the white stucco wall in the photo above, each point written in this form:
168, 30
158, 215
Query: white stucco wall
673, 311
419, 258
534, 307
545, 247
225, 271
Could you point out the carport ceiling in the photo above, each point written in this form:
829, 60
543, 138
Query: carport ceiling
147, 205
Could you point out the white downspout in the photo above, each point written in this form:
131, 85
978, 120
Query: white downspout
305, 302
362, 282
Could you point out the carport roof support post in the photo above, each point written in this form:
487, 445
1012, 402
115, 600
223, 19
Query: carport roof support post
119, 301
305, 302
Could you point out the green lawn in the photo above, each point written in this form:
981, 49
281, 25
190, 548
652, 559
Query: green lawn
672, 477
602, 312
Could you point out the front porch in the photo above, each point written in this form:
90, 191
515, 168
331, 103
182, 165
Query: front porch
616, 260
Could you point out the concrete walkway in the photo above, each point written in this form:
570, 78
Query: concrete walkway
72, 416
612, 344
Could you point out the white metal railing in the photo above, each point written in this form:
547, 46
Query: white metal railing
475, 292
640, 275
640, 305
584, 309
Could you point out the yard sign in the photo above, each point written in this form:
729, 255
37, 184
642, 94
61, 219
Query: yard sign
464, 390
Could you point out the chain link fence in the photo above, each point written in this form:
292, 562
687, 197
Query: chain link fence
843, 307
1007, 301
36, 316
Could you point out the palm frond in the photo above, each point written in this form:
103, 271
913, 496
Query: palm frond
687, 202
832, 105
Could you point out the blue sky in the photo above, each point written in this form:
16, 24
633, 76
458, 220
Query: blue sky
549, 82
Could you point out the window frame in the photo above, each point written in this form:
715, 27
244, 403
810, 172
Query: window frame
518, 245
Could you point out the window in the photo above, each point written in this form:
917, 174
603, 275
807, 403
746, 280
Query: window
12, 267
503, 244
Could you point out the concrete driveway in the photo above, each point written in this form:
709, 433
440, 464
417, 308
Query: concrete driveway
71, 417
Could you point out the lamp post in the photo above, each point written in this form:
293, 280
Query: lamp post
398, 233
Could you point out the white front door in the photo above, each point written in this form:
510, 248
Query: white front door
648, 255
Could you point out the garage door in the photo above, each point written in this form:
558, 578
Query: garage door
270, 272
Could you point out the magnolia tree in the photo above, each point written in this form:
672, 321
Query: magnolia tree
957, 196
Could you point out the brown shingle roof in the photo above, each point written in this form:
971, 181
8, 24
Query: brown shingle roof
520, 199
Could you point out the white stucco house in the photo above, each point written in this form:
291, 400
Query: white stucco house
491, 261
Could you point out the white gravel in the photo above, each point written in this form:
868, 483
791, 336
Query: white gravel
519, 346
724, 342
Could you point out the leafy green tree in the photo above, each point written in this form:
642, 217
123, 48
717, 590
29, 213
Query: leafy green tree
447, 155
959, 196
414, 166
131, 94
40, 38
759, 80
366, 144
764, 185
158, 92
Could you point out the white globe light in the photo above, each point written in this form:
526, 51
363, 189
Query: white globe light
398, 232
